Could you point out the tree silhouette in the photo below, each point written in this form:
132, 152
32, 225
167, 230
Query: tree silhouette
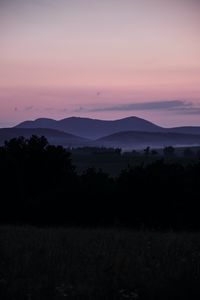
39, 185
154, 152
169, 151
35, 173
147, 150
198, 154
188, 152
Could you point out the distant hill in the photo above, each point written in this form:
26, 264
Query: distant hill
185, 129
131, 132
54, 137
124, 140
92, 128
136, 139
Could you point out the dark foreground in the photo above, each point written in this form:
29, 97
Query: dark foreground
98, 264
39, 185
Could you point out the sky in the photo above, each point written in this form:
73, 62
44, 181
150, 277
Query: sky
103, 59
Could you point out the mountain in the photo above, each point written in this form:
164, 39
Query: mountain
124, 140
131, 132
185, 129
139, 140
54, 137
92, 128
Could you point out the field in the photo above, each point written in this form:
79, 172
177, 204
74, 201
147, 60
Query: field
72, 263
113, 163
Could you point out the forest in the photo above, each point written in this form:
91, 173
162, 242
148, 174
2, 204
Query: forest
40, 186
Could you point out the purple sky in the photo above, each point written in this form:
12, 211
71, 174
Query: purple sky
101, 59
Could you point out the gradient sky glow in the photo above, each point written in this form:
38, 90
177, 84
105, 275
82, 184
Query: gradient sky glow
103, 59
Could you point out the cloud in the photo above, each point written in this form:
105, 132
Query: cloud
188, 110
44, 109
28, 108
181, 107
153, 105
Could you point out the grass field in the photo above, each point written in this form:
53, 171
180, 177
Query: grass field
98, 264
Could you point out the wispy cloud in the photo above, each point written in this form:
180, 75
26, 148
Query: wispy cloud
173, 106
28, 108
177, 106
192, 110
44, 109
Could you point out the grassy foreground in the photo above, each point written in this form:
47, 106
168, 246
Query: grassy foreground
98, 264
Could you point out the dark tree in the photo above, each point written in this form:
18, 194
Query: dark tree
154, 152
188, 152
39, 185
33, 175
169, 151
135, 152
198, 154
147, 151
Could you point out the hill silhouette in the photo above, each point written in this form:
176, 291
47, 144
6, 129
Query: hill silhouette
92, 128
136, 139
186, 129
126, 133
54, 137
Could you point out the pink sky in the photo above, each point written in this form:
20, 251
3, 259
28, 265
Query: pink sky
85, 57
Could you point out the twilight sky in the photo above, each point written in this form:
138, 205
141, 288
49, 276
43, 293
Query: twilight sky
101, 59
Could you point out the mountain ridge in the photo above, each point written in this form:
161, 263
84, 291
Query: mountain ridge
96, 128
126, 133
92, 128
54, 136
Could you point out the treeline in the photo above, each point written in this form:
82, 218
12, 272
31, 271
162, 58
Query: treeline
167, 151
40, 186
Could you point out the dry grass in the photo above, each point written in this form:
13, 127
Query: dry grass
98, 264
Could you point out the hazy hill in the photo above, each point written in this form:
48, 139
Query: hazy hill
131, 132
135, 139
185, 129
92, 128
54, 136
